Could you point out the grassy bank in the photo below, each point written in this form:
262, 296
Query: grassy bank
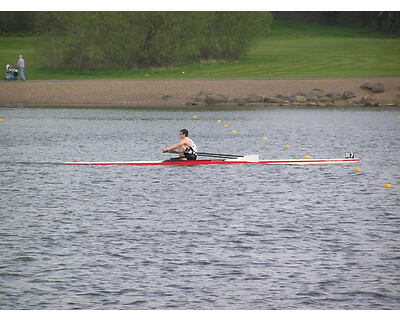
290, 50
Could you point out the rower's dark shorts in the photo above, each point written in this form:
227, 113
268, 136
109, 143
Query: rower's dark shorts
190, 156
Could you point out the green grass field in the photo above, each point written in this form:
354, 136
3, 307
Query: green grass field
289, 50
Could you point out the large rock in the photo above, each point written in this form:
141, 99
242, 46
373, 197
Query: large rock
312, 98
253, 98
300, 99
300, 93
348, 95
317, 93
233, 100
335, 95
373, 87
216, 99
273, 100
201, 96
283, 97
368, 101
327, 100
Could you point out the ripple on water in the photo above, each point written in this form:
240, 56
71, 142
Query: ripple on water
203, 237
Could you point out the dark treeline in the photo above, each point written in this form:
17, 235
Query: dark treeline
17, 22
384, 21
137, 40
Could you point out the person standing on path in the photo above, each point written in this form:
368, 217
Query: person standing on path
21, 67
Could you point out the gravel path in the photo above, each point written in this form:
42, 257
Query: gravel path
142, 93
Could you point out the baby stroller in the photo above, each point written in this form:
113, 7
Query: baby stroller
11, 73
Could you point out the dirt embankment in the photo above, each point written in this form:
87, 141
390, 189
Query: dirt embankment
181, 92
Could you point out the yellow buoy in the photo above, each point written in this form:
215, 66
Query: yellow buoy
1, 120
194, 117
286, 147
357, 169
307, 157
264, 138
225, 126
233, 131
388, 185
398, 117
218, 121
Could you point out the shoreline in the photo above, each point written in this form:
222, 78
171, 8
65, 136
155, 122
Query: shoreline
199, 92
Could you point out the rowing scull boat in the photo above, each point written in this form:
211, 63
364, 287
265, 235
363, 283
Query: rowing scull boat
221, 161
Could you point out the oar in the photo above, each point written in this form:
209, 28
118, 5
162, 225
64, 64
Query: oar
213, 155
218, 155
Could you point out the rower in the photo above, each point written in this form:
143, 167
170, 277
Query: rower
186, 147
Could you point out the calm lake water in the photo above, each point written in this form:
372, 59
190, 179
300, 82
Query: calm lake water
201, 237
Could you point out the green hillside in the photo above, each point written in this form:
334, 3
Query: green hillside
289, 50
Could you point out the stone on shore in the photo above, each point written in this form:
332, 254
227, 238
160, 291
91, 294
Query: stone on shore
283, 97
326, 100
316, 97
369, 101
335, 95
317, 93
373, 87
253, 98
348, 95
300, 99
216, 99
273, 100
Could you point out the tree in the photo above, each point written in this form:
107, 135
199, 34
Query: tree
137, 40
16, 21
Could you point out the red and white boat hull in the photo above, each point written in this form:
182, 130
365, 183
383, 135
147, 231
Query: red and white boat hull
219, 161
